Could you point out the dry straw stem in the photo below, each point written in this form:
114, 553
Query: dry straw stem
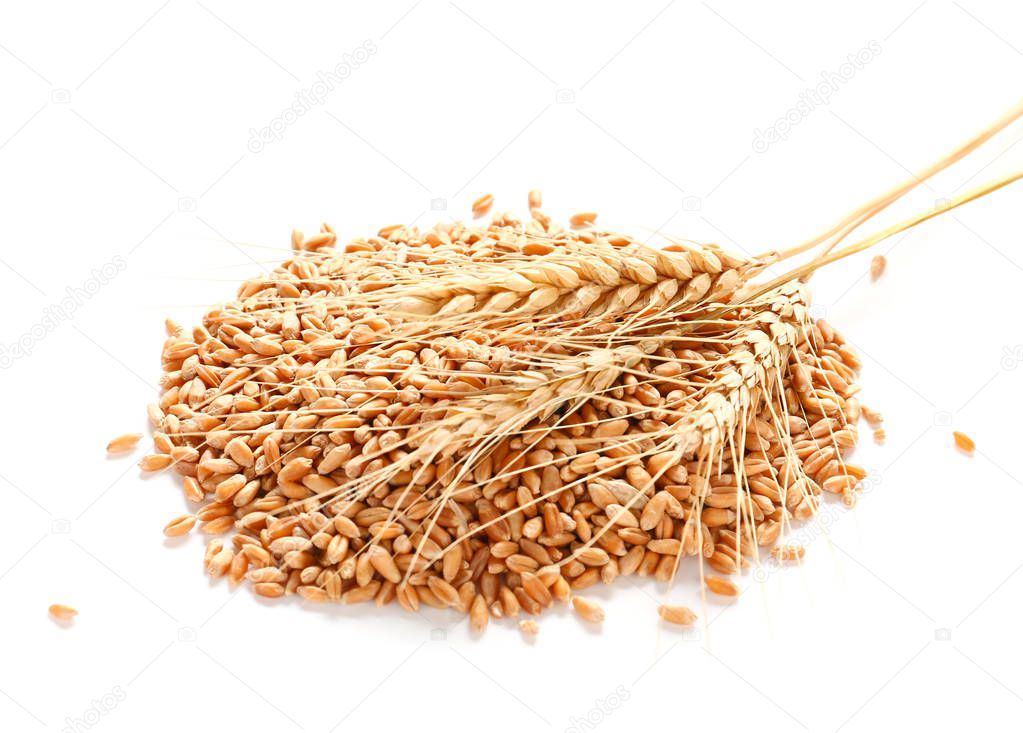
833, 236
826, 259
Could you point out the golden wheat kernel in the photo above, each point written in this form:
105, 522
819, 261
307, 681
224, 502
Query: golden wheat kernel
482, 205
788, 553
964, 442
155, 462
877, 266
680, 615
180, 525
588, 610
721, 586
529, 627
583, 219
60, 612
123, 443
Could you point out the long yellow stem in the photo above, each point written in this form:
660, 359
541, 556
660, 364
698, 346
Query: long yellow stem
827, 258
847, 225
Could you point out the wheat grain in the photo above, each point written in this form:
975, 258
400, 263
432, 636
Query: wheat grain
180, 525
124, 443
964, 443
788, 553
479, 615
721, 586
679, 615
588, 610
529, 627
155, 462
583, 219
872, 417
60, 612
482, 205
877, 266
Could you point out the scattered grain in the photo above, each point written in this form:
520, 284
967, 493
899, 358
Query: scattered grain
482, 205
680, 615
583, 219
529, 627
155, 462
588, 610
124, 443
180, 525
61, 612
788, 553
877, 266
964, 442
721, 586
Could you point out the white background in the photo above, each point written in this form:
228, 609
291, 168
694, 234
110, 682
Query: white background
125, 132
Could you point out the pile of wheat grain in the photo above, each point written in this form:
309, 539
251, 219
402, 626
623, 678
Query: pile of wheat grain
494, 418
